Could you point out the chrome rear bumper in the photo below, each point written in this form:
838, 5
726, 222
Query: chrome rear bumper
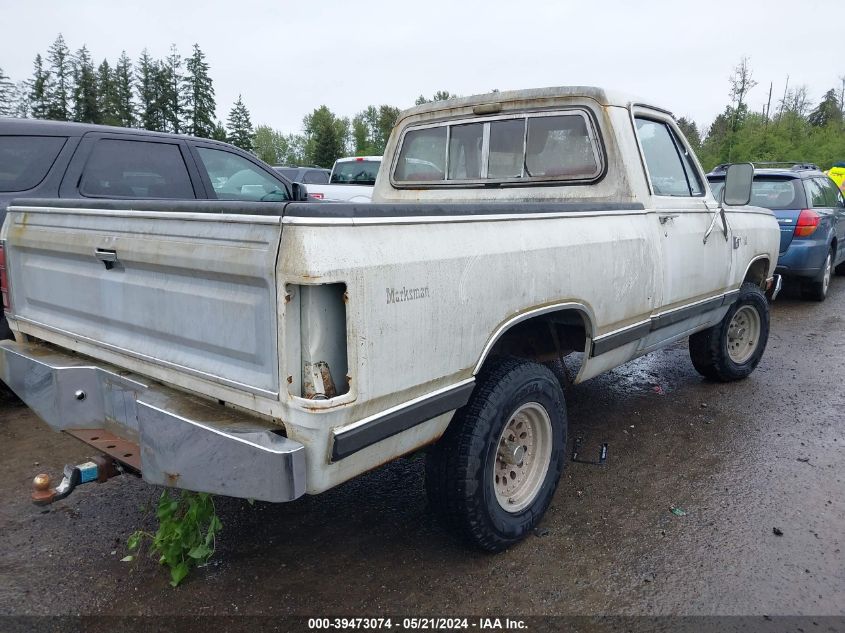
184, 441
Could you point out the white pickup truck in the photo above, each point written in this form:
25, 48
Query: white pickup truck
268, 351
351, 180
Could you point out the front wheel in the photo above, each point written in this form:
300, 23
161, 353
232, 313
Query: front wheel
732, 349
493, 473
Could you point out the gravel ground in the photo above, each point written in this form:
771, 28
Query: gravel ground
739, 459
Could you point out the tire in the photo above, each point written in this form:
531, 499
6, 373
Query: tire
463, 467
722, 352
816, 289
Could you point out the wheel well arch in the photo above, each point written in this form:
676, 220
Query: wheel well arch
542, 334
758, 270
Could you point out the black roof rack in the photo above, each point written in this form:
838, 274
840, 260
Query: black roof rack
794, 165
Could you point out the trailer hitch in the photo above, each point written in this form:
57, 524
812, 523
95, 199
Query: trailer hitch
99, 469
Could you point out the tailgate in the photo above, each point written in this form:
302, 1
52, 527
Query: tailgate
195, 292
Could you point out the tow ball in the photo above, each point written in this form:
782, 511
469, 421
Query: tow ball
99, 469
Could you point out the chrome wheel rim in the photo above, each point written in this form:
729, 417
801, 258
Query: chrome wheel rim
743, 334
522, 460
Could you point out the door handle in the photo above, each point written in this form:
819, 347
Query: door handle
664, 218
108, 257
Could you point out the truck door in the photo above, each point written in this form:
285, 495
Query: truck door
694, 268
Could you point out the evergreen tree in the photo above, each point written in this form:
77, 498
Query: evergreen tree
61, 88
219, 132
172, 98
22, 101
325, 137
239, 126
39, 91
827, 111
122, 79
690, 130
86, 104
149, 111
8, 96
199, 96
107, 91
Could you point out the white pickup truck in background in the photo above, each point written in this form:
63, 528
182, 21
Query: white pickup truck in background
267, 351
352, 180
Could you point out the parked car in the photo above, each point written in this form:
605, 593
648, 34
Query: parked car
270, 357
306, 175
352, 180
811, 212
51, 159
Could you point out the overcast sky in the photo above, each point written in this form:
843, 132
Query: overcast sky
286, 58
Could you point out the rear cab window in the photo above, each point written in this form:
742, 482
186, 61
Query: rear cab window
316, 177
522, 148
26, 160
123, 168
355, 172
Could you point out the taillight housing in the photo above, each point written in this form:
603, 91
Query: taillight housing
808, 222
4, 278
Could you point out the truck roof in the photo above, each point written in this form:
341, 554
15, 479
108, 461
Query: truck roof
522, 98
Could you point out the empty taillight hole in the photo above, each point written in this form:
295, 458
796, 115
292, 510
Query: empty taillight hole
111, 446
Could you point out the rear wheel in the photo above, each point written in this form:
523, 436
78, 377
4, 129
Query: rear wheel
732, 349
493, 473
816, 289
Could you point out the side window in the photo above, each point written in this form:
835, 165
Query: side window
832, 195
235, 178
670, 169
120, 168
815, 193
25, 160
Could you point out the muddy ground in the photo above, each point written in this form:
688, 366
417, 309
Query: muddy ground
739, 459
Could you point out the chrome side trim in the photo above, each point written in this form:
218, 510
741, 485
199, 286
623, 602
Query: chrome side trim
438, 219
375, 428
128, 213
617, 338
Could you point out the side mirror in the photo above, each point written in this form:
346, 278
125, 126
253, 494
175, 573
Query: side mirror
738, 179
299, 192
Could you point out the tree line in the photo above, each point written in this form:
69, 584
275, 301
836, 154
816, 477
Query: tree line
176, 94
788, 127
